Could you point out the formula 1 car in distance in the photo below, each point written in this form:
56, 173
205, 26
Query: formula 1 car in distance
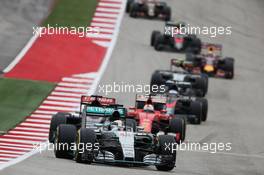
105, 135
195, 108
173, 40
150, 113
167, 78
149, 9
211, 62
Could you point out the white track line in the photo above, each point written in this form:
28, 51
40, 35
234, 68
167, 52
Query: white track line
100, 14
76, 80
61, 103
104, 36
66, 94
107, 10
109, 50
78, 100
73, 85
27, 132
32, 129
41, 116
57, 108
45, 112
21, 54
109, 4
100, 19
102, 43
58, 88
102, 25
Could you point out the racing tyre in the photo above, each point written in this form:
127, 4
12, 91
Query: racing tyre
157, 80
229, 68
164, 141
57, 119
178, 125
129, 2
158, 43
64, 139
204, 103
132, 124
167, 12
200, 84
154, 36
196, 109
86, 139
133, 10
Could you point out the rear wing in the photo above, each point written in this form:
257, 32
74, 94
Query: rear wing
104, 101
152, 98
211, 48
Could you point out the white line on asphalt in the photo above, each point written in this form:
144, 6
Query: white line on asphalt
21, 54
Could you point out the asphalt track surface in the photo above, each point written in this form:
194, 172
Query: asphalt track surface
236, 106
17, 17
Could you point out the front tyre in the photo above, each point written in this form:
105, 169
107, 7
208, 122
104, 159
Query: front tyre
166, 143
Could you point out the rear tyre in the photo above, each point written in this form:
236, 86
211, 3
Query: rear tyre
86, 139
157, 80
64, 140
196, 109
154, 36
158, 44
164, 141
167, 12
229, 68
133, 10
57, 119
204, 103
178, 125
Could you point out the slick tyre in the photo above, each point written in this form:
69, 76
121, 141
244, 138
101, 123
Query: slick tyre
204, 103
56, 120
86, 137
178, 125
154, 35
65, 138
164, 141
196, 109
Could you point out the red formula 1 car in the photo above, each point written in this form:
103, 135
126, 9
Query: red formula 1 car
211, 62
150, 114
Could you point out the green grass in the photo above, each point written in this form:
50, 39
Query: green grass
72, 13
19, 98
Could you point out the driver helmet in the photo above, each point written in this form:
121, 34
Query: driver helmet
173, 92
148, 107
